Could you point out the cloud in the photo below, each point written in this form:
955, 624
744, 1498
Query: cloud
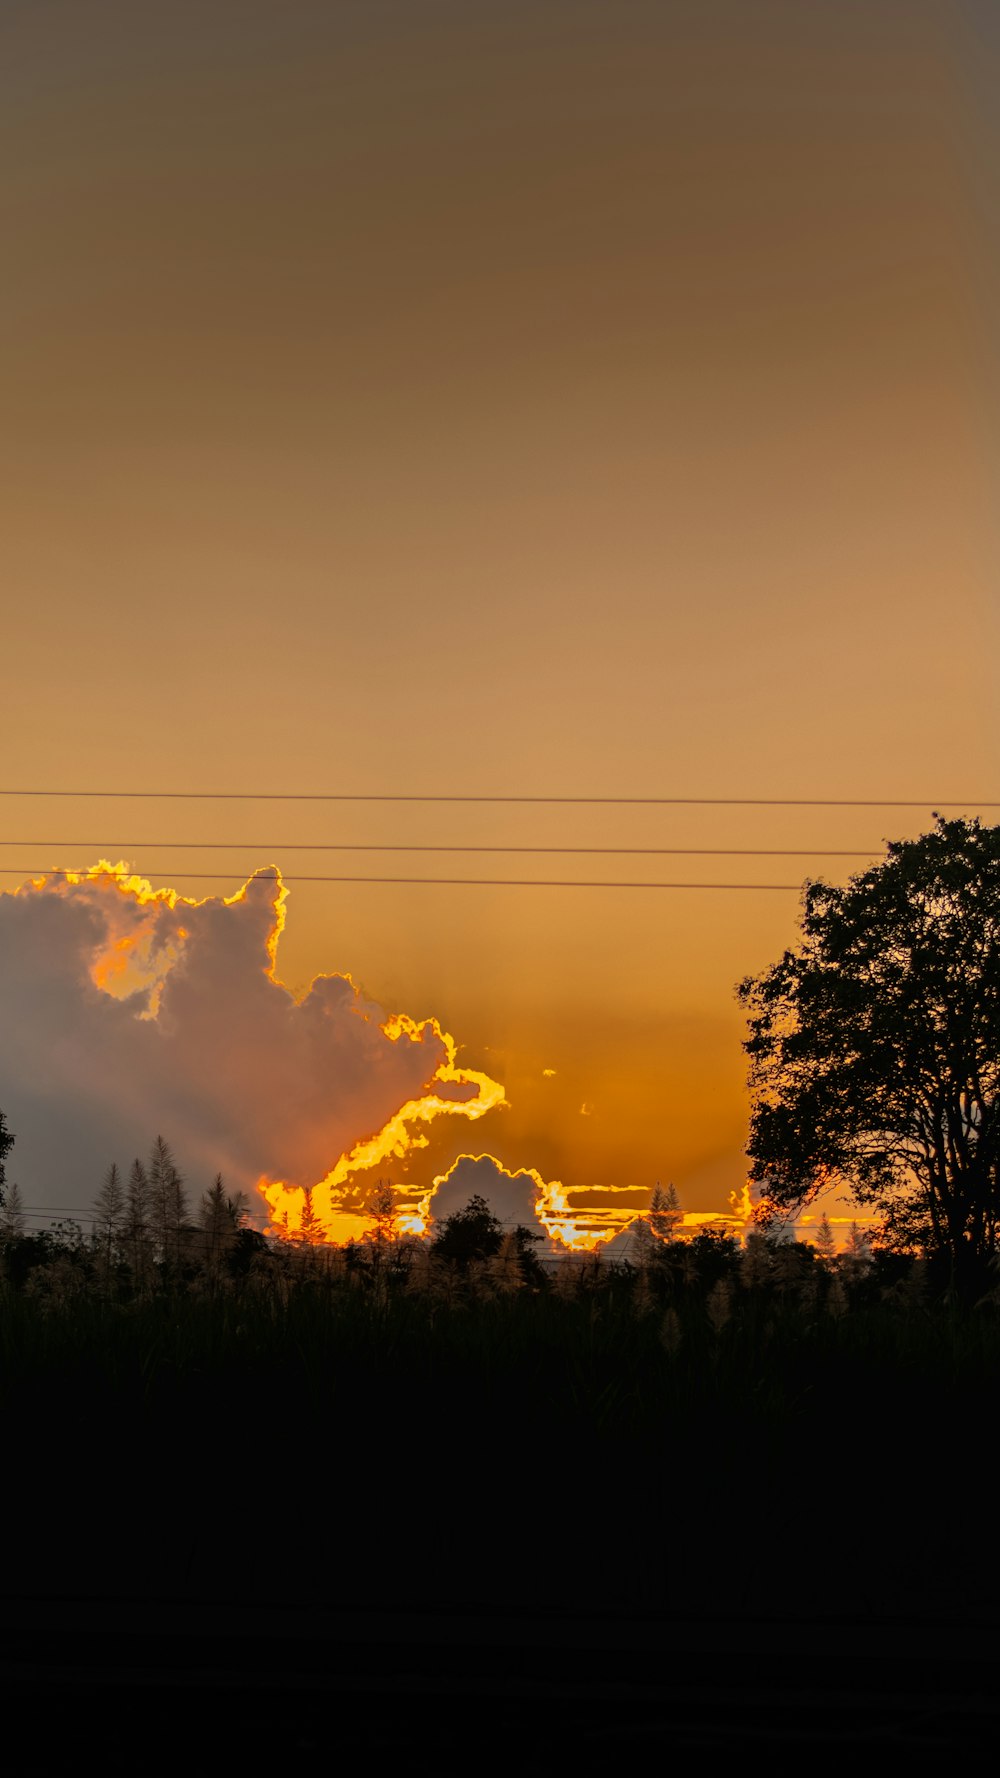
519, 1197
128, 1012
513, 1197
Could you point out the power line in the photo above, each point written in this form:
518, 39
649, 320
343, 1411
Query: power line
87, 1212
338, 846
337, 796
189, 876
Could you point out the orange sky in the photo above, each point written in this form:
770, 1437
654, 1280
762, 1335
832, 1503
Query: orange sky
552, 398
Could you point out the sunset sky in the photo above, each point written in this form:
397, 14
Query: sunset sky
553, 399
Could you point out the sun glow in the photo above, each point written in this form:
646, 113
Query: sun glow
557, 1217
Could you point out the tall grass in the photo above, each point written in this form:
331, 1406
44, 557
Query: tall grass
653, 1441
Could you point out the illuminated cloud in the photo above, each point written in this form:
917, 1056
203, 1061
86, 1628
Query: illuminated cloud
512, 1197
129, 1012
519, 1197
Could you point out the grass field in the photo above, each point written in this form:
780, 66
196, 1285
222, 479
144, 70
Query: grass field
620, 1440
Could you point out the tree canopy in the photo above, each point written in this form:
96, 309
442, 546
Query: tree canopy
470, 1233
875, 1046
474, 1234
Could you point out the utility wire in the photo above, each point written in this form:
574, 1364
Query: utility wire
438, 882
336, 796
590, 851
87, 1213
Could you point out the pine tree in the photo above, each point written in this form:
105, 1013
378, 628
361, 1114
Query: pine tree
381, 1209
137, 1200
310, 1228
109, 1214
665, 1214
136, 1224
825, 1244
12, 1215
168, 1204
218, 1220
381, 1241
857, 1245
157, 1176
6, 1144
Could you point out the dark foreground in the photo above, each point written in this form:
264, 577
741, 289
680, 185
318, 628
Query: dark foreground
145, 1684
527, 1535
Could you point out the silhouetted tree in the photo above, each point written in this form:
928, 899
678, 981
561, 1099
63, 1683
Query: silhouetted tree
794, 1262
6, 1144
472, 1233
528, 1242
109, 1214
311, 1230
875, 1047
826, 1246
220, 1219
383, 1256
12, 1214
250, 1247
168, 1204
756, 1261
719, 1304
710, 1255
382, 1212
652, 1237
665, 1213
136, 1224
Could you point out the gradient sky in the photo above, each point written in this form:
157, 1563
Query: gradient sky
561, 398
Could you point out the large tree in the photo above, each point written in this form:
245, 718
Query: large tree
875, 1047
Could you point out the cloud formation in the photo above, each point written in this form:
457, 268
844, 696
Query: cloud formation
128, 1012
519, 1197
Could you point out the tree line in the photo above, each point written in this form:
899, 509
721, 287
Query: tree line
147, 1241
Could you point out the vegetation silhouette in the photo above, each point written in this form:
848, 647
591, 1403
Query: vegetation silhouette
875, 1050
6, 1144
473, 1236
714, 1381
470, 1233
